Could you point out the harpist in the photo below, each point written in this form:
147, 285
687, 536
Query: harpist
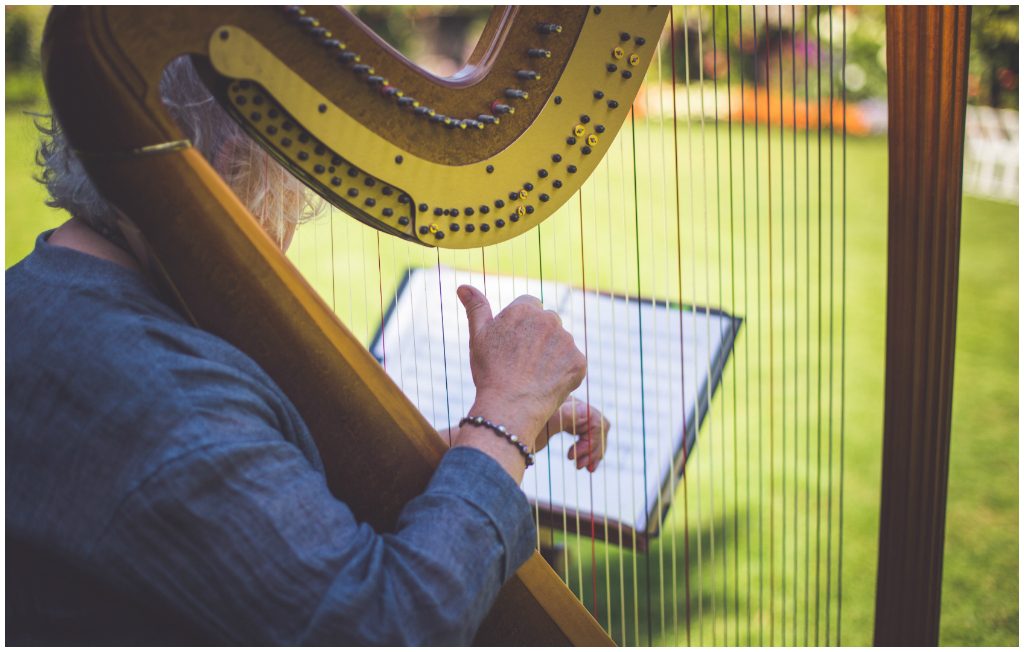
161, 489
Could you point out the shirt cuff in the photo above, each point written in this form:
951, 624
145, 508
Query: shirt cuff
479, 480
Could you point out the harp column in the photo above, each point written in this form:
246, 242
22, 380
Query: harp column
928, 55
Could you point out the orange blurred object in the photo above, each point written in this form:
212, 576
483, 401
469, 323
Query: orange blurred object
751, 106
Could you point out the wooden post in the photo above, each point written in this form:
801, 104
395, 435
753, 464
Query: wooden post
928, 54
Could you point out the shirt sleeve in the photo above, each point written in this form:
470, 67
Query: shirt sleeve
246, 540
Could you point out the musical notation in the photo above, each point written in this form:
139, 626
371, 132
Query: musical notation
652, 368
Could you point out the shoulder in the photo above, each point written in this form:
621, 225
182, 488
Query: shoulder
102, 354
107, 385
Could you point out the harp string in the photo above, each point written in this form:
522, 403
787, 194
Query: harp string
817, 538
623, 228
525, 243
627, 161
574, 245
796, 326
733, 306
438, 391
444, 351
706, 255
349, 255
603, 398
565, 515
782, 275
547, 451
842, 373
746, 342
397, 263
719, 299
667, 258
807, 338
760, 349
679, 282
333, 263
655, 357
640, 350
668, 531
587, 215
380, 289
415, 344
771, 341
575, 480
693, 280
402, 258
614, 416
461, 348
831, 320
817, 545
596, 609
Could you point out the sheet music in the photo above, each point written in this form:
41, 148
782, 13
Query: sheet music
637, 351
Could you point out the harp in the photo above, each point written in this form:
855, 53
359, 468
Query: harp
422, 154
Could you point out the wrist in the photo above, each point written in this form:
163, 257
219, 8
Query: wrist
502, 432
497, 448
521, 416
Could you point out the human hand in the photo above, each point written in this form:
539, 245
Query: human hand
524, 363
588, 424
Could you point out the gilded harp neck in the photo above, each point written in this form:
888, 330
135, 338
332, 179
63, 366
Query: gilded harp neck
457, 162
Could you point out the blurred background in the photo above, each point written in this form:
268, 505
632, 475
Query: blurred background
980, 590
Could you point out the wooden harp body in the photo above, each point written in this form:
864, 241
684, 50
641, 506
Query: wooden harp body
495, 151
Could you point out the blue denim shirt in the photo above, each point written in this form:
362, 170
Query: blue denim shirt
162, 489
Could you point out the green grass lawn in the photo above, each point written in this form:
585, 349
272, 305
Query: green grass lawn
772, 597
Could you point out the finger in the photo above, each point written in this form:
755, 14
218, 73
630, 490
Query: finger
572, 416
557, 316
597, 454
592, 461
585, 457
528, 300
578, 453
589, 455
583, 446
478, 309
600, 435
578, 415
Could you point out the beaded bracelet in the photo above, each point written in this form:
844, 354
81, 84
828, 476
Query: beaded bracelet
503, 431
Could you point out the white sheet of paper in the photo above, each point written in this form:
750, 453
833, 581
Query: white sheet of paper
649, 367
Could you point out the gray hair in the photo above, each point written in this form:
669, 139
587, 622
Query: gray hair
274, 196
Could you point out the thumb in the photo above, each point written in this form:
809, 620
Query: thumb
478, 310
